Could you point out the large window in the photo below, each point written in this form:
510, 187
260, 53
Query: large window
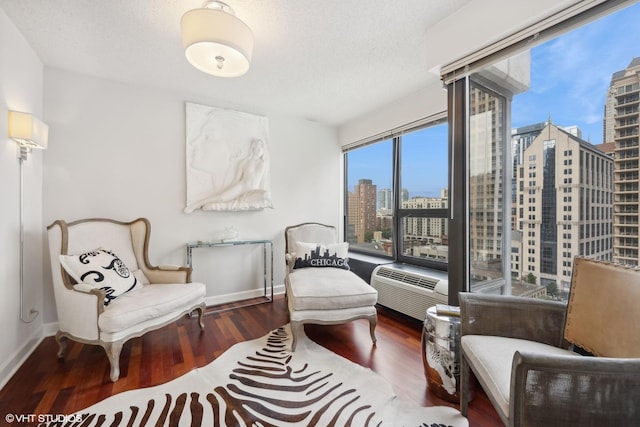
397, 196
552, 143
487, 121
369, 198
543, 160
423, 207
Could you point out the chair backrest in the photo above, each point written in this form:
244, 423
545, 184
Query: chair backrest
311, 232
127, 239
603, 312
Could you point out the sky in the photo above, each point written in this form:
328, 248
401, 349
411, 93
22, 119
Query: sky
424, 163
570, 76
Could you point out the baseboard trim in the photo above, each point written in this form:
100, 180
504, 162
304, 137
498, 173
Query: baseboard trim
20, 356
239, 296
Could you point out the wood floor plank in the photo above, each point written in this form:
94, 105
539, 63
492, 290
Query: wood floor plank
47, 385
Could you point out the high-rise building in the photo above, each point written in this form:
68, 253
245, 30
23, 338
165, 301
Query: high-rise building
404, 195
385, 199
617, 106
607, 148
362, 210
521, 139
426, 230
622, 115
564, 204
352, 218
487, 113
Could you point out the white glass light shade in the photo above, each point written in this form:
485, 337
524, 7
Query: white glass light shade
27, 130
217, 42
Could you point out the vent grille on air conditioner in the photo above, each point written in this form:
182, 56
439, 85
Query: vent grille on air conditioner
409, 292
411, 279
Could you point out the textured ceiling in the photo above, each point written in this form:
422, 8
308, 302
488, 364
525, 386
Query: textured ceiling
328, 61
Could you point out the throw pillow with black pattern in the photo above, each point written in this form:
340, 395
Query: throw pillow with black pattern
101, 268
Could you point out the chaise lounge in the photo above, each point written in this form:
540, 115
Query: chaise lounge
320, 289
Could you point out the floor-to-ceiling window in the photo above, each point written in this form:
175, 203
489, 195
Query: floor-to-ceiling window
550, 139
487, 121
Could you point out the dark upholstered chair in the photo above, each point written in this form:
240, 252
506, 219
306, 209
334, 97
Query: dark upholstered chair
520, 350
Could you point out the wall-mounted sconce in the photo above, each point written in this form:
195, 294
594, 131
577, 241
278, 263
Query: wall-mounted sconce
29, 133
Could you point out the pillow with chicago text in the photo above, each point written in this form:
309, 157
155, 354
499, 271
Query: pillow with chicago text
321, 255
102, 269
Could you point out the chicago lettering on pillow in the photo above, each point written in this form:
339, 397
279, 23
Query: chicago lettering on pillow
321, 255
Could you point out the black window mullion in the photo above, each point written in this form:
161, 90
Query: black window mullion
424, 213
458, 196
397, 197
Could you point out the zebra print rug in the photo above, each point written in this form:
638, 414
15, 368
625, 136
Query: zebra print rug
262, 383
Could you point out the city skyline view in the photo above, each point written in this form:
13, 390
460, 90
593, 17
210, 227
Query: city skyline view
570, 77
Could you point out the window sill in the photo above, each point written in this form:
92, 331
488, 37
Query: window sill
364, 264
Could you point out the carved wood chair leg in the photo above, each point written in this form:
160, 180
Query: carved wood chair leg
201, 316
62, 344
113, 353
295, 326
373, 321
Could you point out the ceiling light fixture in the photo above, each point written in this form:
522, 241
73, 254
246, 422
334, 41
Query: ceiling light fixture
216, 41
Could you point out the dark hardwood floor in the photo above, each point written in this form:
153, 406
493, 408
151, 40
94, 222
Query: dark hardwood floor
47, 385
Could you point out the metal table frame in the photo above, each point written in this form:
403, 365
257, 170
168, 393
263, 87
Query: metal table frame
268, 261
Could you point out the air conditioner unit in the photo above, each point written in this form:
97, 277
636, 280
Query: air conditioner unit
409, 290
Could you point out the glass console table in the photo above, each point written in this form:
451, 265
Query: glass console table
267, 250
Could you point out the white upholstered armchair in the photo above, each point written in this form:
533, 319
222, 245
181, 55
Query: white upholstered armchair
320, 288
106, 290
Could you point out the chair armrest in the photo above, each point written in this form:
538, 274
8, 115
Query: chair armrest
513, 317
78, 310
554, 390
289, 259
168, 274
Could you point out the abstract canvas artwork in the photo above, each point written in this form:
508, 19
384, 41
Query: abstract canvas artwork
227, 156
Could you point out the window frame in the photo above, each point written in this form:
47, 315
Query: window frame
455, 75
398, 213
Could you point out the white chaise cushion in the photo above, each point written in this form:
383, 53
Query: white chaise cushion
328, 289
492, 357
101, 268
150, 302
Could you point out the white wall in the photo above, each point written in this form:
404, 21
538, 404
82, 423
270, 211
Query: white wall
118, 151
20, 90
415, 106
